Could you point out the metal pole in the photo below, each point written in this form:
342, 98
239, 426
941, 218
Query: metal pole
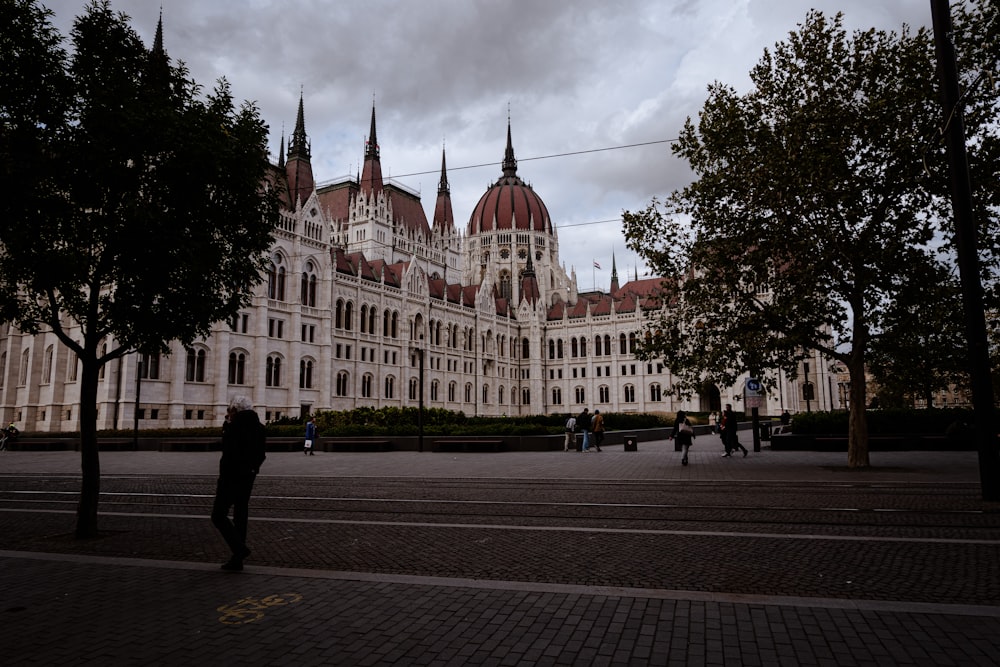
138, 387
968, 257
420, 411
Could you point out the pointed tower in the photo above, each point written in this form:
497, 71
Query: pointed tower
614, 276
529, 284
298, 167
281, 150
444, 219
371, 173
157, 75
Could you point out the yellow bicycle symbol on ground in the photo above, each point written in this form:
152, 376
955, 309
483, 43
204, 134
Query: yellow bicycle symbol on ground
251, 610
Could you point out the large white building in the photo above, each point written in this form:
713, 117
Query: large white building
361, 286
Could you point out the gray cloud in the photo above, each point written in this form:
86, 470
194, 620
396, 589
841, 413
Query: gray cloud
575, 75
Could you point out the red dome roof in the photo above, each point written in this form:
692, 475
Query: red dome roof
509, 203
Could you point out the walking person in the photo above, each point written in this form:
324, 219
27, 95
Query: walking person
570, 434
730, 432
597, 426
583, 422
684, 433
243, 443
310, 443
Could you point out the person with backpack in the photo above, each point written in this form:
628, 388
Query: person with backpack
597, 426
684, 433
570, 434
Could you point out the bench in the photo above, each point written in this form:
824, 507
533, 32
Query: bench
357, 445
470, 445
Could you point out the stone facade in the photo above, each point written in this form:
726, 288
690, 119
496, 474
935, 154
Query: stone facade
361, 287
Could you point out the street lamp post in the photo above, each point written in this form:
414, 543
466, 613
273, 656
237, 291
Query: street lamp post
138, 387
420, 401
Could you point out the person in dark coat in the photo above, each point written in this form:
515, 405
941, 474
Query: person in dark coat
583, 423
684, 433
730, 432
243, 443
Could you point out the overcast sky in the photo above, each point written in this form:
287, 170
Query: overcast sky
576, 75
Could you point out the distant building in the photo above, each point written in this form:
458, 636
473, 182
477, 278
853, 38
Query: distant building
361, 284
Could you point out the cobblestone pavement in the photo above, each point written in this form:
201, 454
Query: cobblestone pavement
402, 558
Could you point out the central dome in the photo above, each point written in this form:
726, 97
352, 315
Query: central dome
510, 203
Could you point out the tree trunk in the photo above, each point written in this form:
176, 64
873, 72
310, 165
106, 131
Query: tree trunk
857, 430
90, 465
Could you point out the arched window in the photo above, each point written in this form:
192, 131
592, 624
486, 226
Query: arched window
629, 393
434, 390
468, 392
574, 348
272, 373
3, 367
622, 344
338, 315
276, 279
486, 393
348, 316
364, 319
655, 392
505, 285
23, 375
597, 346
632, 342
194, 370
308, 287
341, 386
47, 365
607, 345
237, 367
452, 388
604, 394
366, 385
525, 349
525, 396
552, 349
583, 346
390, 386
386, 319
414, 389
556, 396
305, 374
395, 325
372, 320
500, 395
559, 348
150, 369
581, 395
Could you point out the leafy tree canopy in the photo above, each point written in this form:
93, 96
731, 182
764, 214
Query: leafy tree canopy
819, 201
141, 213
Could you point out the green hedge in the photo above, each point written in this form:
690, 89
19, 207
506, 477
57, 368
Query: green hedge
884, 422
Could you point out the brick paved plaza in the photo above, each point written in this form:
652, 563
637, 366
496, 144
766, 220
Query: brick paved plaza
400, 558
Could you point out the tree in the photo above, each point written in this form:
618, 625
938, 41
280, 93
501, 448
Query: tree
817, 201
146, 217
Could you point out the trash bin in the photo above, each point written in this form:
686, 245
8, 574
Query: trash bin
631, 442
765, 431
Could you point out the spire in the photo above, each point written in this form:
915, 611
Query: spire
529, 283
298, 145
371, 174
371, 146
281, 150
158, 39
444, 218
298, 167
614, 274
509, 162
443, 187
157, 78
